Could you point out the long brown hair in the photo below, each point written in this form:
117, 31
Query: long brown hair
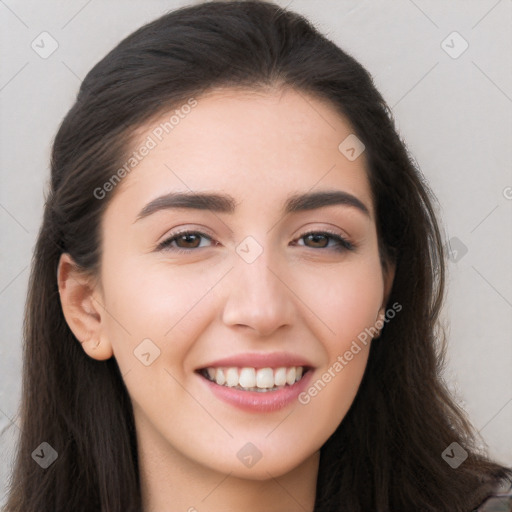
386, 453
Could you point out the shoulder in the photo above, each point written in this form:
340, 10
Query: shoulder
499, 501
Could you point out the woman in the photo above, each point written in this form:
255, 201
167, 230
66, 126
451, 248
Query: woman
236, 287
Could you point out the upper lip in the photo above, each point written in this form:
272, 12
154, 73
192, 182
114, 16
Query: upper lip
260, 360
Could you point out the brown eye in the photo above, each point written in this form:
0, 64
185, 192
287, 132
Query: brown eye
318, 240
321, 240
184, 241
189, 241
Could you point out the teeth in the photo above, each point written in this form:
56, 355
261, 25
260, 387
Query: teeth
252, 379
280, 377
247, 377
290, 375
265, 378
231, 377
220, 379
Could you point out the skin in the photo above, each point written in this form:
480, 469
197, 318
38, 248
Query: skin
297, 296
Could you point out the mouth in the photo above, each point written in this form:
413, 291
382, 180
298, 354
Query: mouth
262, 380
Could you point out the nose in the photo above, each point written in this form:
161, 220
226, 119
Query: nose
259, 297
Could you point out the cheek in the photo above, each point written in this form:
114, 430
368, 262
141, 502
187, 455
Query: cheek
332, 391
345, 300
347, 306
156, 302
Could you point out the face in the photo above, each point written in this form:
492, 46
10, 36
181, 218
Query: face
234, 317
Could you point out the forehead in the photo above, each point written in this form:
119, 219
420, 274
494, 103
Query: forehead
261, 145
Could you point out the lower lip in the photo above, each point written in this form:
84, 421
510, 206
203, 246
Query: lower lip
254, 401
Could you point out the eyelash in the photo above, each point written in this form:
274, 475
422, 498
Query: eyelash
343, 244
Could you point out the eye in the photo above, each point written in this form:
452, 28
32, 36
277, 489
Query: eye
184, 241
321, 240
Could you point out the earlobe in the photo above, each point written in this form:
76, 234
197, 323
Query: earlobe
83, 312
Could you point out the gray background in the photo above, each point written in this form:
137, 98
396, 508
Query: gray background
454, 113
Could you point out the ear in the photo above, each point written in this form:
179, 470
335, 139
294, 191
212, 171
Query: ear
388, 274
82, 308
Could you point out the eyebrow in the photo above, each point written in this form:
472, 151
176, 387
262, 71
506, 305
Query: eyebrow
223, 203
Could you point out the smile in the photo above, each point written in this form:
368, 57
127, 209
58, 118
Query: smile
254, 379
